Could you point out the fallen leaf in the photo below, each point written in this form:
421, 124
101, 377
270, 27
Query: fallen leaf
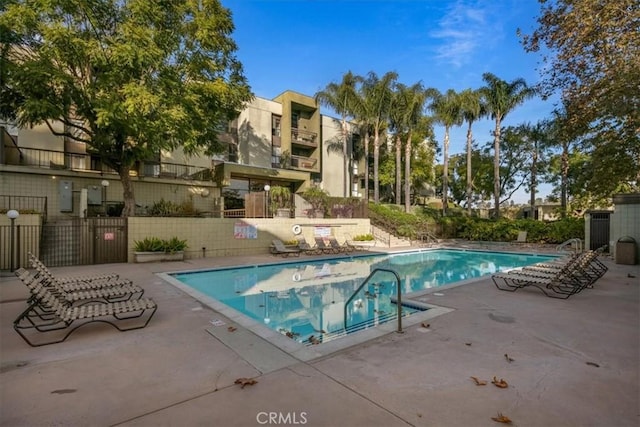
508, 358
478, 382
313, 340
468, 343
320, 331
245, 381
425, 325
500, 384
593, 364
501, 419
232, 329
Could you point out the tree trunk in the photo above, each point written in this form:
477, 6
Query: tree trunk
496, 169
376, 161
366, 166
127, 192
398, 170
534, 183
345, 157
445, 172
407, 174
564, 179
469, 185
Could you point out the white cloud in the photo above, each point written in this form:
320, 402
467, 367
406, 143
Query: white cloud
464, 29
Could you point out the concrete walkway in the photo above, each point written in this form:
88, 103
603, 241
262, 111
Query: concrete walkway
574, 363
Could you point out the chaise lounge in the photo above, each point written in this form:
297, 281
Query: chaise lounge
278, 248
62, 319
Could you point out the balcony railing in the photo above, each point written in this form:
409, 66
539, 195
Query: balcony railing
50, 159
304, 137
307, 163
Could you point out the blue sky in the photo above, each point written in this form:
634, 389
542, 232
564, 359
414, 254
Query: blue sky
303, 45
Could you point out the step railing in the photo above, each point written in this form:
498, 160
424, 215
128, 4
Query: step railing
398, 297
575, 244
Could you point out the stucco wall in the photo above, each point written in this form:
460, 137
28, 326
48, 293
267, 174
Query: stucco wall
254, 132
216, 235
625, 220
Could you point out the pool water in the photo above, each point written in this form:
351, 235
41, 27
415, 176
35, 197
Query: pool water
305, 300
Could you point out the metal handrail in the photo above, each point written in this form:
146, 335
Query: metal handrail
398, 297
577, 241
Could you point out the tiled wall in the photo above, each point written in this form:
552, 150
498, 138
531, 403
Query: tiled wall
45, 182
209, 237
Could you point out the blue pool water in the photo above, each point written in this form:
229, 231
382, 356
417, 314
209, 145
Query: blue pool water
305, 300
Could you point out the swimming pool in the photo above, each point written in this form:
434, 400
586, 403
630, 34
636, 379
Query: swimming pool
306, 299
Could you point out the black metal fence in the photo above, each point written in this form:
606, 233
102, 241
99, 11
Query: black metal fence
24, 204
74, 242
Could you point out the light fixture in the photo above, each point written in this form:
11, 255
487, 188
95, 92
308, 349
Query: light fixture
104, 183
267, 187
13, 214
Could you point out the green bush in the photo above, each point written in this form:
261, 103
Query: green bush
458, 225
154, 244
363, 238
172, 209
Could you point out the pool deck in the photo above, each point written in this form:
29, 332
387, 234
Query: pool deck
574, 362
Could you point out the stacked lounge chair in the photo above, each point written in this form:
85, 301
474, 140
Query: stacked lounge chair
306, 248
558, 279
279, 248
341, 248
105, 291
56, 309
325, 247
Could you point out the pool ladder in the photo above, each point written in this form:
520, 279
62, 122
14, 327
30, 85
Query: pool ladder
575, 244
398, 297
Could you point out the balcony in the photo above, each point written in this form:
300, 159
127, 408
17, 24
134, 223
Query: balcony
306, 163
59, 160
304, 138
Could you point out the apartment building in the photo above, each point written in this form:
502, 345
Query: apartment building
280, 142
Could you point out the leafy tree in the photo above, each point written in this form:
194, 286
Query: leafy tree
342, 98
513, 176
423, 152
501, 97
472, 109
128, 78
406, 115
593, 61
536, 142
447, 111
377, 93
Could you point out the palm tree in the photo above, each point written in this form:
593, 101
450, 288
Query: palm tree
473, 109
448, 113
342, 97
407, 109
501, 98
537, 138
377, 93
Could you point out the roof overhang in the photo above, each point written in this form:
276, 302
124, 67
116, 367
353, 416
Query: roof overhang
225, 171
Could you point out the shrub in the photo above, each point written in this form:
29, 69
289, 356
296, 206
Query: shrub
363, 238
317, 198
155, 244
169, 208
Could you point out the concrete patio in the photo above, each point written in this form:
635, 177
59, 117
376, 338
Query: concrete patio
574, 362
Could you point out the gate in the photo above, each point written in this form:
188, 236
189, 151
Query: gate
74, 241
109, 240
599, 229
